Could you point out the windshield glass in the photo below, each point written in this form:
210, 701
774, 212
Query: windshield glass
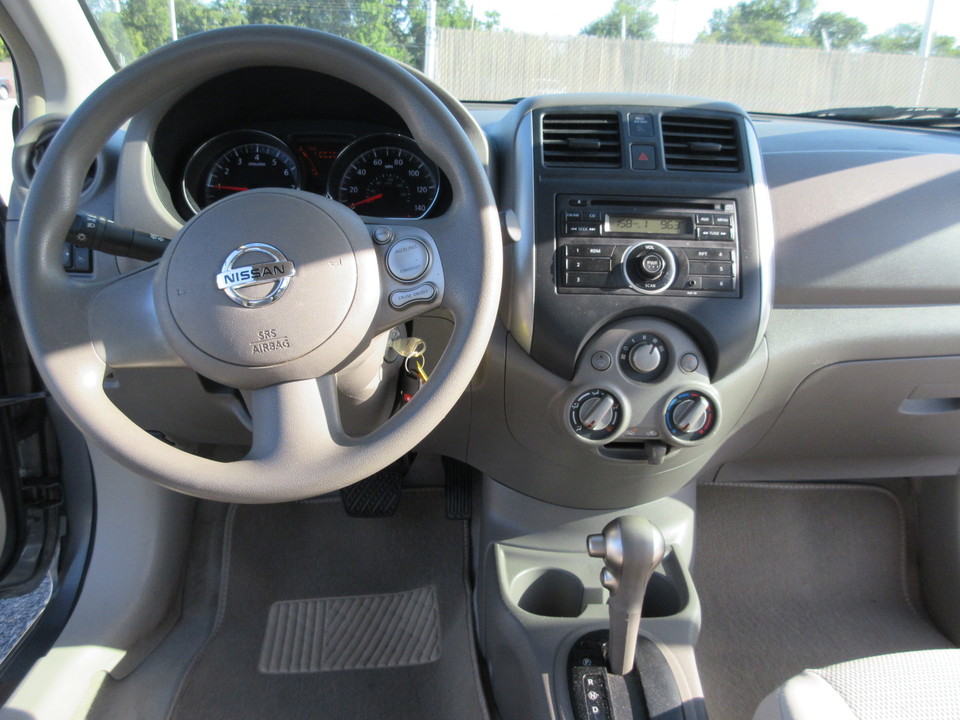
782, 56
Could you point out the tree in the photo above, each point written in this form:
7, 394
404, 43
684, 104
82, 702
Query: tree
630, 17
840, 31
905, 39
396, 28
762, 22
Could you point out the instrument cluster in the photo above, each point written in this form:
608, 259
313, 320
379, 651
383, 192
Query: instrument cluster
383, 175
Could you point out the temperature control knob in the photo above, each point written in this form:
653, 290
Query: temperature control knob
690, 416
595, 414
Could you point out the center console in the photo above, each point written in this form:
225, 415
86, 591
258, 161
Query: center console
638, 290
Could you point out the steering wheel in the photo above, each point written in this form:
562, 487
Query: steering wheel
270, 291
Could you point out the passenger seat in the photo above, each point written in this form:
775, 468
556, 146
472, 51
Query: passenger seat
922, 685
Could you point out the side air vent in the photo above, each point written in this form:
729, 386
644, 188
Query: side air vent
33, 143
698, 143
581, 141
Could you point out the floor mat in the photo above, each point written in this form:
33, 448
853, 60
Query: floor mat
324, 615
793, 577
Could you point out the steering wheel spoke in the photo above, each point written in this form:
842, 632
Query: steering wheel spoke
124, 327
296, 423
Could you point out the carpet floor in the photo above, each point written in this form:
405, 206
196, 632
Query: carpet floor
798, 576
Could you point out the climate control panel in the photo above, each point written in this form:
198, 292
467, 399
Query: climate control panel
642, 391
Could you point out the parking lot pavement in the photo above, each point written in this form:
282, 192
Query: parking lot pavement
20, 613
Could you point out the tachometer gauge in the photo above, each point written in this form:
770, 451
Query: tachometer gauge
385, 176
235, 162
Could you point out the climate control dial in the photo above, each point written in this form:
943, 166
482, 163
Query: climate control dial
691, 416
595, 415
644, 357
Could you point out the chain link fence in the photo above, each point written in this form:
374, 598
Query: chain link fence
478, 65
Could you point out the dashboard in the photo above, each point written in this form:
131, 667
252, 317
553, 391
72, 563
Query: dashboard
691, 292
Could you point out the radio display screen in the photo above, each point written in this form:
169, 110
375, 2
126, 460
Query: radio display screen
648, 224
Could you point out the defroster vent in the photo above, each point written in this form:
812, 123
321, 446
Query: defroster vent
580, 140
700, 143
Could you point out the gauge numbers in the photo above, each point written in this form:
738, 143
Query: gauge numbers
248, 166
385, 176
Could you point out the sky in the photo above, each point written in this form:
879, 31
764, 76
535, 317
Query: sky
681, 20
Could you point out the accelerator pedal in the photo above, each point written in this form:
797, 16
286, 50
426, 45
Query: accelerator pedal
458, 486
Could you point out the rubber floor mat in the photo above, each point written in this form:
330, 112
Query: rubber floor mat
349, 633
793, 577
309, 557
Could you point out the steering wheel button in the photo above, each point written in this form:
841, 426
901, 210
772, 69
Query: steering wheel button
382, 235
408, 259
421, 293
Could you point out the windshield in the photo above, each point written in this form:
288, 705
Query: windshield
784, 56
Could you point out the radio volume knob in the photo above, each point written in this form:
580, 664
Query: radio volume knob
651, 265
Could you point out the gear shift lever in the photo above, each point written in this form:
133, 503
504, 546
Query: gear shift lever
631, 548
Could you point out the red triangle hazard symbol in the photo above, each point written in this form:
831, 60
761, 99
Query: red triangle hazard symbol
643, 157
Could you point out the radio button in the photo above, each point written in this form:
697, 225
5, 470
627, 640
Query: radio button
711, 268
722, 220
707, 254
718, 283
725, 269
589, 250
704, 219
588, 264
574, 215
582, 229
578, 202
713, 233
586, 279
592, 216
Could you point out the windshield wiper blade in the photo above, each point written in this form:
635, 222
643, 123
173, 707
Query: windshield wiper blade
936, 117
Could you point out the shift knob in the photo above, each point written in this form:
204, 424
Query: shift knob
631, 548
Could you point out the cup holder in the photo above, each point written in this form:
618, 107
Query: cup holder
558, 593
666, 591
549, 592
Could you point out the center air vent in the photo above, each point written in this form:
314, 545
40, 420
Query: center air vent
699, 143
581, 141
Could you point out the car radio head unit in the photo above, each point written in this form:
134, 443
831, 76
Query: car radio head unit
650, 246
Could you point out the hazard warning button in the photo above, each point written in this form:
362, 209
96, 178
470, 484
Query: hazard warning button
643, 157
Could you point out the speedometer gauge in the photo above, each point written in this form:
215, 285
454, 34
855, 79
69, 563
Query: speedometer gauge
385, 176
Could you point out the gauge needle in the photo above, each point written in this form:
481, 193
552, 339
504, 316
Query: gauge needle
366, 200
229, 187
